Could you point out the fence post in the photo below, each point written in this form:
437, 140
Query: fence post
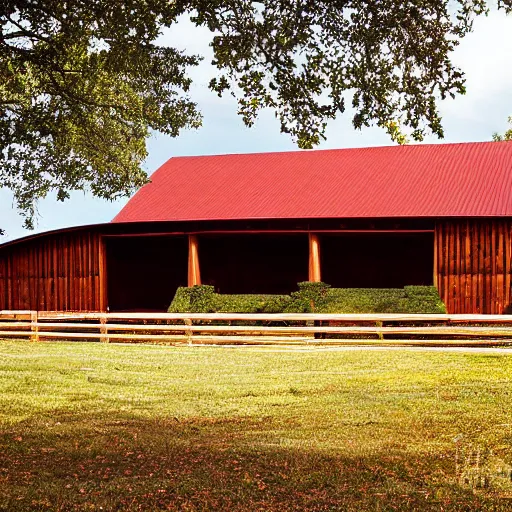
103, 329
34, 328
380, 334
188, 332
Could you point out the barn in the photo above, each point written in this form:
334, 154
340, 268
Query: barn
259, 223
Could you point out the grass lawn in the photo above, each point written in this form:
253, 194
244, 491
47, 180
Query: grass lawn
140, 427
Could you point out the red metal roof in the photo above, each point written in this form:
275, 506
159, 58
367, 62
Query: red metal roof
437, 180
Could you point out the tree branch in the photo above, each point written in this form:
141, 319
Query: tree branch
28, 33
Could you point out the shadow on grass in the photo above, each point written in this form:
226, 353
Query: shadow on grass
86, 462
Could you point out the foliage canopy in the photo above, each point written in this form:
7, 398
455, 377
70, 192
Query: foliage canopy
83, 82
506, 136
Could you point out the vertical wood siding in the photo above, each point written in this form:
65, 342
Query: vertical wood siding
66, 272
60, 273
474, 265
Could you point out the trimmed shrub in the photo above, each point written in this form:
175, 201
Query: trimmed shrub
250, 303
411, 299
314, 291
196, 299
311, 297
361, 300
308, 298
203, 299
423, 299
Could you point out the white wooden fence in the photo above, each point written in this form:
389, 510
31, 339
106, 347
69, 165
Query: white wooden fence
286, 329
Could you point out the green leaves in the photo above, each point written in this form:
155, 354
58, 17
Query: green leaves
311, 297
82, 86
306, 59
496, 137
83, 83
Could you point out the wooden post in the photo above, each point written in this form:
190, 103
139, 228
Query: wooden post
194, 274
34, 327
103, 329
188, 332
314, 258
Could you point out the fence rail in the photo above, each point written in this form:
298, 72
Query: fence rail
285, 329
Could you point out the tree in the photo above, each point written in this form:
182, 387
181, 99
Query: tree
83, 82
496, 137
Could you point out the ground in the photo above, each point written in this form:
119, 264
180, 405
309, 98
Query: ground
87, 426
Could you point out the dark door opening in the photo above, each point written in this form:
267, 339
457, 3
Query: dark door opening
254, 263
377, 260
143, 273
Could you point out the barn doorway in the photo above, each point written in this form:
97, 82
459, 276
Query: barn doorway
377, 260
254, 263
143, 273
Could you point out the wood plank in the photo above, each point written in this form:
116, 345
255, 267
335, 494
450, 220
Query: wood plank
450, 306
14, 313
485, 225
261, 232
435, 273
474, 270
423, 330
49, 315
457, 270
55, 270
467, 269
10, 300
102, 271
3, 282
272, 340
90, 274
500, 268
96, 279
493, 269
16, 326
481, 270
441, 262
507, 255
273, 317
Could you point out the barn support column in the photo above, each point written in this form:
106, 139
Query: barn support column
315, 274
194, 274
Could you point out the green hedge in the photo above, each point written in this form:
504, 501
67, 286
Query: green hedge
203, 299
251, 303
311, 297
196, 299
411, 299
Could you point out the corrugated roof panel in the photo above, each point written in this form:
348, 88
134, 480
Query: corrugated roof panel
437, 180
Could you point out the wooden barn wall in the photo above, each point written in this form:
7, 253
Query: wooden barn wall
66, 271
473, 265
60, 273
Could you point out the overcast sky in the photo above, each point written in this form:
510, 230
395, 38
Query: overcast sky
485, 56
